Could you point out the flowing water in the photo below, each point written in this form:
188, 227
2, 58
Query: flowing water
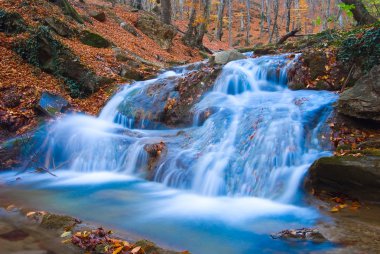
223, 184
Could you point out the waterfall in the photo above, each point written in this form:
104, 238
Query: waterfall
258, 140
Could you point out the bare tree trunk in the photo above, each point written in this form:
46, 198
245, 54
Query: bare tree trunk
230, 23
262, 17
268, 16
219, 29
361, 15
188, 38
275, 28
166, 11
248, 23
288, 8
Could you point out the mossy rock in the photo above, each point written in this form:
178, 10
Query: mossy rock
94, 40
42, 50
68, 10
151, 248
55, 221
11, 22
59, 27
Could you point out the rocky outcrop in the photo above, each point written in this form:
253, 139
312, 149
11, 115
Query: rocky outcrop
168, 102
68, 10
45, 52
129, 28
98, 15
11, 22
224, 57
59, 27
363, 100
93, 40
161, 33
357, 177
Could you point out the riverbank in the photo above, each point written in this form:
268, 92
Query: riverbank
28, 231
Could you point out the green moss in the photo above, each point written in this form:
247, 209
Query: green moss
94, 40
55, 221
361, 49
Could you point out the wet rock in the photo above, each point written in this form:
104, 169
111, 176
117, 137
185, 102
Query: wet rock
59, 27
55, 221
11, 22
51, 105
155, 153
151, 248
43, 51
14, 235
129, 28
357, 177
363, 100
98, 15
161, 33
305, 234
10, 151
94, 40
224, 57
372, 143
168, 102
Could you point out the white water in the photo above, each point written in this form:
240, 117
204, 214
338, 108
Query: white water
245, 161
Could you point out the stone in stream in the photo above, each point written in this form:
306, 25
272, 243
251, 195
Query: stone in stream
305, 234
168, 102
357, 177
155, 153
224, 57
363, 100
52, 105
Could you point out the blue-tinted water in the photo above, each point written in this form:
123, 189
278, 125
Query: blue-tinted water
224, 184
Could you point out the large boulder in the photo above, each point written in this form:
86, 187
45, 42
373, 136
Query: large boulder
98, 15
158, 31
363, 100
357, 177
94, 40
168, 102
224, 57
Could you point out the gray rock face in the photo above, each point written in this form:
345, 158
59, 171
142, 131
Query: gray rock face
363, 100
129, 28
357, 177
161, 33
224, 57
